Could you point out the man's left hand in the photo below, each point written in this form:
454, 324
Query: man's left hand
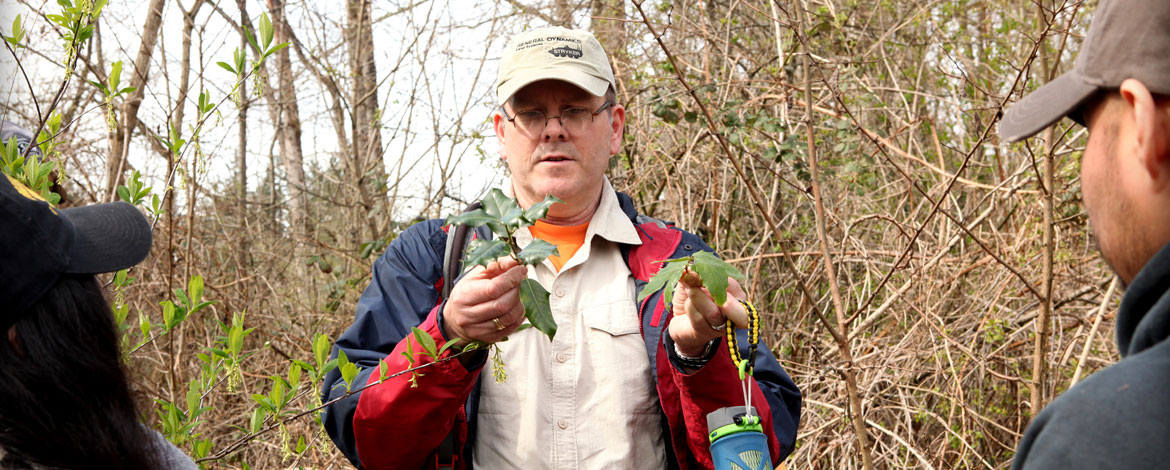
697, 319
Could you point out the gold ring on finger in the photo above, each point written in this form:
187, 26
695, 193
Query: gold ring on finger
499, 324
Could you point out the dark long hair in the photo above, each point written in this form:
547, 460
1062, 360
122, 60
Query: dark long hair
64, 398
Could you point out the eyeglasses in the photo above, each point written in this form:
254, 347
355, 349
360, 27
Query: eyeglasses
574, 120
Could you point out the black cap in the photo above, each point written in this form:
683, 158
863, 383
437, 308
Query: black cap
38, 244
1127, 39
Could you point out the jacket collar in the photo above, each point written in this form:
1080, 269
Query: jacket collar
1144, 317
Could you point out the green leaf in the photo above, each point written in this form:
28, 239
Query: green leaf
266, 31
664, 280
168, 314
540, 209
257, 422
714, 273
294, 374
449, 344
321, 346
537, 251
195, 289
348, 369
115, 75
471, 219
536, 308
503, 208
427, 342
483, 252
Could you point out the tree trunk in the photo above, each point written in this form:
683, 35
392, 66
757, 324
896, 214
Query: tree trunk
119, 139
288, 122
368, 170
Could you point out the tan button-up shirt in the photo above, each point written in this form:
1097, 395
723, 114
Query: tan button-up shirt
587, 399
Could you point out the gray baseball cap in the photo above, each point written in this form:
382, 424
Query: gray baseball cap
556, 53
1127, 39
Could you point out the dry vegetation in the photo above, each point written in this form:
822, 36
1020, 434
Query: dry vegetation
912, 269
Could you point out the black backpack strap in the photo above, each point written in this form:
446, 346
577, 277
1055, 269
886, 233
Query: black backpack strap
457, 238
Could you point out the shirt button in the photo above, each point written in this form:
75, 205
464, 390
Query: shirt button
562, 357
560, 292
563, 423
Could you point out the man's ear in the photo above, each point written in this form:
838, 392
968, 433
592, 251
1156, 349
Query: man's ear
618, 126
498, 123
1152, 144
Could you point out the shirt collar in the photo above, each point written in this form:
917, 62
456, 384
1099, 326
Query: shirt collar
609, 221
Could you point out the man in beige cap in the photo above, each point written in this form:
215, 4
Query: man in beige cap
1120, 89
622, 384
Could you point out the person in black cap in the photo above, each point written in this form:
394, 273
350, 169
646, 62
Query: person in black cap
1120, 89
64, 397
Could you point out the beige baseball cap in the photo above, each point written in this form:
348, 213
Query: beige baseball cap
556, 53
1127, 39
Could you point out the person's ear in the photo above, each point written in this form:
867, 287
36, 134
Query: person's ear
498, 123
1151, 142
618, 126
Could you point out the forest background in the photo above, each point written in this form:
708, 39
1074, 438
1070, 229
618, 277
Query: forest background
911, 269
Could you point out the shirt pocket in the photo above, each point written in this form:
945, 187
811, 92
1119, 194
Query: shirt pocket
617, 354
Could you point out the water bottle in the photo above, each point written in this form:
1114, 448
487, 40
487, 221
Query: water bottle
737, 439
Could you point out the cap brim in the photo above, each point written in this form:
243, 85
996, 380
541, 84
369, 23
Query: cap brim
596, 86
1061, 97
108, 237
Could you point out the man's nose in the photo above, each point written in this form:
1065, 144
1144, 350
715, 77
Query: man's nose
554, 131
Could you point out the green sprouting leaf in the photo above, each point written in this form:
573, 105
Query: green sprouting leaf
195, 289
168, 314
251, 39
257, 422
448, 345
665, 279
483, 252
266, 31
124, 194
274, 49
225, 66
540, 209
144, 325
294, 374
536, 308
17, 33
427, 342
383, 370
115, 76
348, 369
537, 251
321, 346
714, 273
301, 445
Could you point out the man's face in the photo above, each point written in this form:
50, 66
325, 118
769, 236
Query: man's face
1106, 184
569, 165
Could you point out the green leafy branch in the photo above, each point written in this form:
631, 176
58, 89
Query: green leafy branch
111, 90
264, 48
504, 216
712, 270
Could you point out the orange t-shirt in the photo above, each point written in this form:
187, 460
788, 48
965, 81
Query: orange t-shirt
567, 238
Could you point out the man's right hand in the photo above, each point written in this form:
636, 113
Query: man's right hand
485, 304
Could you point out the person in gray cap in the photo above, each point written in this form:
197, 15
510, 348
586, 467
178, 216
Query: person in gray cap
1119, 88
623, 384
